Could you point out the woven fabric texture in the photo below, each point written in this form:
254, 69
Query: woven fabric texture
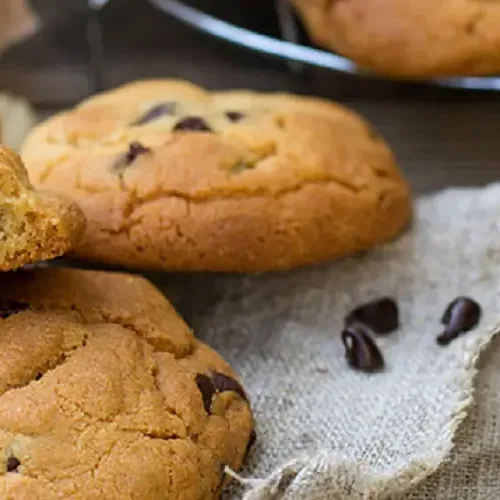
326, 431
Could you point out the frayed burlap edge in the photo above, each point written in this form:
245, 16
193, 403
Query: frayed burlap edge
347, 480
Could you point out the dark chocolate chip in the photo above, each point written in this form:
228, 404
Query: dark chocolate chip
223, 383
251, 440
12, 464
235, 116
8, 307
381, 315
163, 109
38, 376
207, 389
135, 149
361, 351
217, 384
193, 123
460, 316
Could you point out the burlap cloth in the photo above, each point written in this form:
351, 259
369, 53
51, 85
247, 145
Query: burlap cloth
326, 431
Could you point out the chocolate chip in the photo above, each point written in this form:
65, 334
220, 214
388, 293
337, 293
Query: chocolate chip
207, 389
361, 352
224, 383
193, 123
8, 307
381, 315
235, 116
38, 376
460, 316
12, 464
136, 149
163, 109
251, 441
217, 384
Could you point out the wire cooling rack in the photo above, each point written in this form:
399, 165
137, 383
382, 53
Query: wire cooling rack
287, 46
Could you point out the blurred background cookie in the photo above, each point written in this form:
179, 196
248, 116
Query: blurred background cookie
173, 177
409, 38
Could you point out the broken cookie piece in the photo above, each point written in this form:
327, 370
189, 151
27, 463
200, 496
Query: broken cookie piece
34, 225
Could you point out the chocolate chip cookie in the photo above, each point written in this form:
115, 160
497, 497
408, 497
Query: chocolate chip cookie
35, 225
409, 38
106, 394
173, 177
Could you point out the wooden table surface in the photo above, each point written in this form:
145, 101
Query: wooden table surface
442, 138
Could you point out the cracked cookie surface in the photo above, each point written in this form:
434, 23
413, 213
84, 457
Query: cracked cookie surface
173, 177
100, 393
409, 38
34, 225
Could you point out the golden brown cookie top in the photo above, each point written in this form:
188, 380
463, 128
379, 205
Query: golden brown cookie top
168, 137
105, 393
172, 177
34, 225
410, 38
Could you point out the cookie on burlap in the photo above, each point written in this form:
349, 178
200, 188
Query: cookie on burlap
35, 225
409, 38
173, 177
106, 394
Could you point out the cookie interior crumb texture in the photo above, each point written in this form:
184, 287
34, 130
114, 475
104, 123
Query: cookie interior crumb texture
99, 396
173, 177
409, 38
34, 225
